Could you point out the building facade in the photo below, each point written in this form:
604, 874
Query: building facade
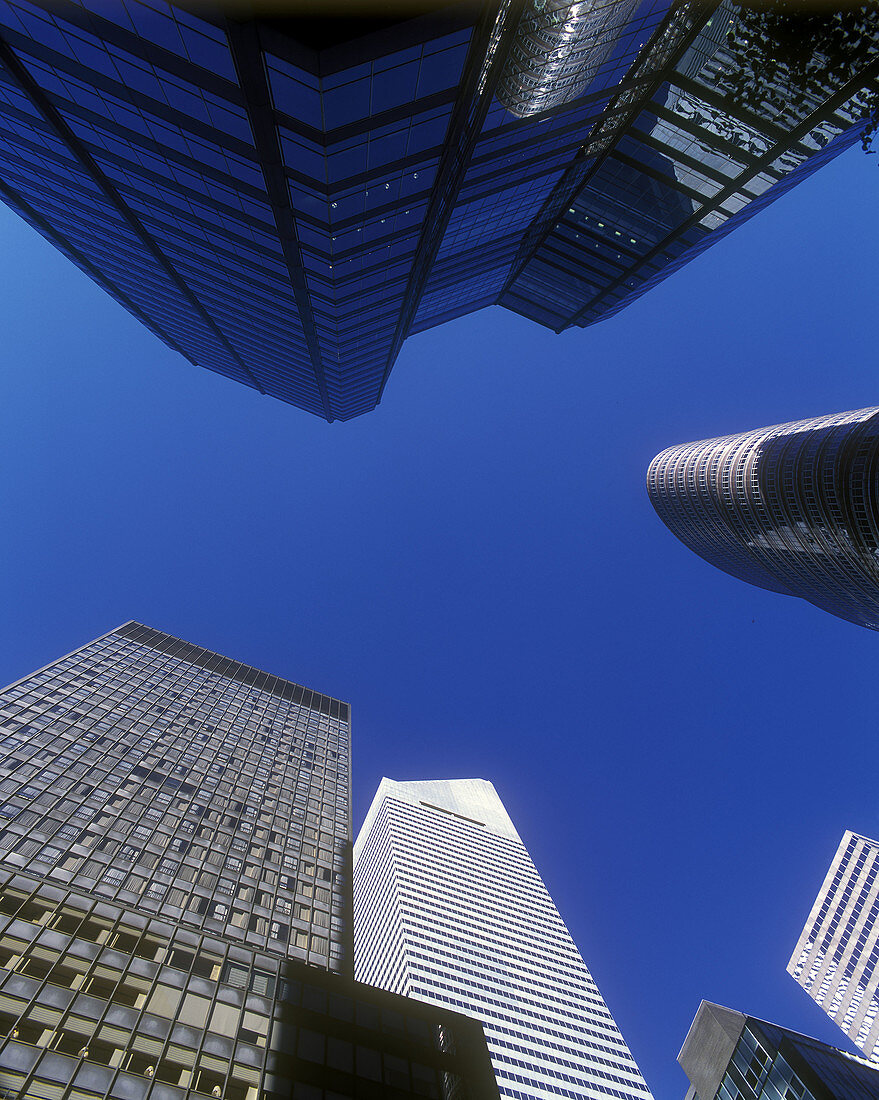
285, 201
835, 959
730, 1056
449, 909
175, 892
793, 508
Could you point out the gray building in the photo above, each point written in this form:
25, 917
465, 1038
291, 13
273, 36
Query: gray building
175, 892
835, 959
730, 1056
793, 508
450, 909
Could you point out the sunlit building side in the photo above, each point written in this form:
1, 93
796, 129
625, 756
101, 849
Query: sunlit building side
793, 508
836, 959
450, 909
558, 49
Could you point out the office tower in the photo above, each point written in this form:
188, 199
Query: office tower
285, 201
793, 508
837, 953
727, 1054
175, 892
449, 909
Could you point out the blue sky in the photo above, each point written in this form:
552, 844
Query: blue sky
476, 568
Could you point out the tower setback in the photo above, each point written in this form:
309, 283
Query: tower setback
728, 1054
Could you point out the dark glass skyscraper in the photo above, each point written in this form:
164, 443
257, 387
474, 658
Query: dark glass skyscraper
285, 201
793, 508
450, 909
175, 893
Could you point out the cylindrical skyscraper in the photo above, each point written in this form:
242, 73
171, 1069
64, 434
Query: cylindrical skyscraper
793, 508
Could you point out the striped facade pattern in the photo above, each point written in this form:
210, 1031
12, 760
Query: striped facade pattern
837, 955
450, 909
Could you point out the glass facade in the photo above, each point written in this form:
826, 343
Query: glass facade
836, 957
729, 1056
676, 161
449, 909
793, 508
175, 892
166, 778
285, 203
101, 1000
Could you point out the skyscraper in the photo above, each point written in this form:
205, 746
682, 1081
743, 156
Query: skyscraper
728, 1054
449, 909
285, 201
835, 959
175, 892
793, 508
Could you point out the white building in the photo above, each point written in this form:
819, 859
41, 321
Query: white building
449, 908
837, 954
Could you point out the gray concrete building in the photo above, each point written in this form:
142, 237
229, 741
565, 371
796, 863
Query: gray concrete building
835, 959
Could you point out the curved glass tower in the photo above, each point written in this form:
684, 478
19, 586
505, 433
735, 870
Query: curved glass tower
793, 508
449, 909
558, 49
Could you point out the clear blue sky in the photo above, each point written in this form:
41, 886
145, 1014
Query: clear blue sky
476, 568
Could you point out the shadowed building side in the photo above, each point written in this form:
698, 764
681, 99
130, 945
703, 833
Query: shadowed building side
792, 508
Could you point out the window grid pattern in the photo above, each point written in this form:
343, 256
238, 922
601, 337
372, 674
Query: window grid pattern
772, 1063
452, 911
513, 168
170, 787
287, 214
683, 170
835, 959
791, 508
97, 1000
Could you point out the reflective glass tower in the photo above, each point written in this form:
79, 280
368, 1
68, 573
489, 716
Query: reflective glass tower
835, 959
175, 893
285, 201
449, 909
793, 508
727, 1054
